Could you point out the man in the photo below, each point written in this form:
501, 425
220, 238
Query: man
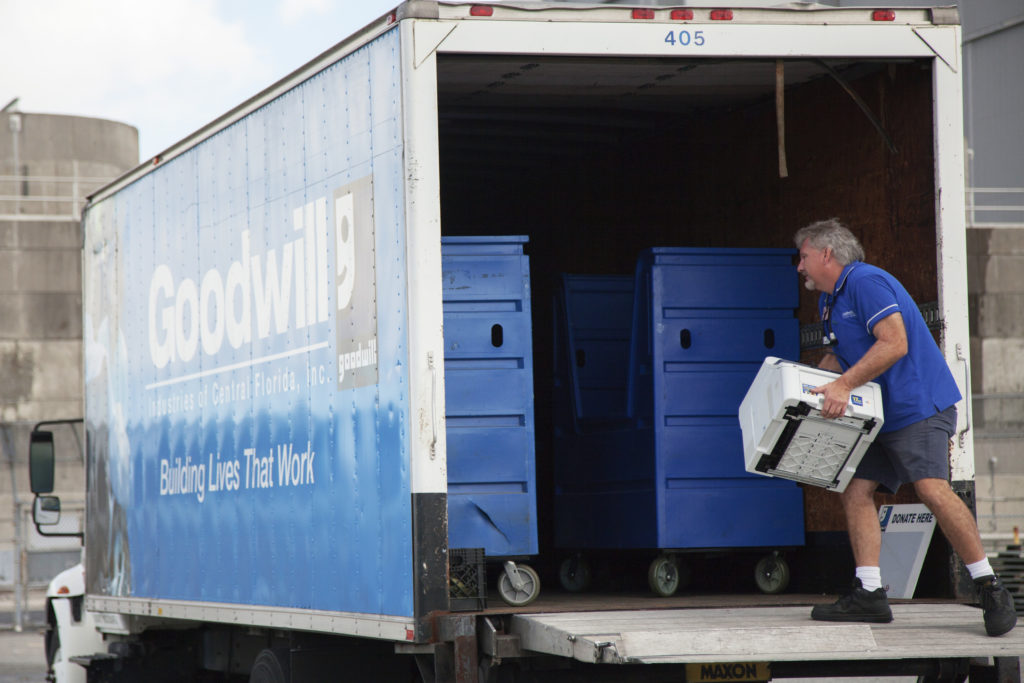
875, 331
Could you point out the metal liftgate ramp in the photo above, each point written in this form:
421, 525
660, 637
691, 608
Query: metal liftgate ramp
760, 634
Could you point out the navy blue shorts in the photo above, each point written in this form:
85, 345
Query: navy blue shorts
918, 451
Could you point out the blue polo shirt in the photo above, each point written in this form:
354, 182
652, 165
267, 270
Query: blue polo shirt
918, 385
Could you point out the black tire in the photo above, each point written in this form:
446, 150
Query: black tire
574, 574
772, 574
51, 640
663, 576
272, 666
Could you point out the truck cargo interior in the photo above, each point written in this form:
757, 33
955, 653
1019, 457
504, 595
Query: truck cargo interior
597, 159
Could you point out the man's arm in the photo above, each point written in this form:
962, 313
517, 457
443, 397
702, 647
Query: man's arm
890, 345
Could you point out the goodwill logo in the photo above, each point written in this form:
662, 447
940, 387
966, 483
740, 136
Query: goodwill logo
259, 296
272, 293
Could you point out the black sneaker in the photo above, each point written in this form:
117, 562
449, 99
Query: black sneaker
996, 601
857, 605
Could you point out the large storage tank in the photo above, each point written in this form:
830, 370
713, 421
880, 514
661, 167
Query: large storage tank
48, 165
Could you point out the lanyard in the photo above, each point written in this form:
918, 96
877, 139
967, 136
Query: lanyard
829, 338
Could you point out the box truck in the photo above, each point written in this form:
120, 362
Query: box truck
270, 460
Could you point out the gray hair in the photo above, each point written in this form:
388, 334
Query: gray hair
834, 235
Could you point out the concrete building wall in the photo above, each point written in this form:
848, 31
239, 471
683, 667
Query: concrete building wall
996, 299
993, 48
48, 164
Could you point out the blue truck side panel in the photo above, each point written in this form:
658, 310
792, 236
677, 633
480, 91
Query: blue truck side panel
246, 359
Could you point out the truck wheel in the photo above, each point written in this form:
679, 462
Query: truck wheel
52, 645
523, 588
574, 574
664, 576
271, 666
772, 574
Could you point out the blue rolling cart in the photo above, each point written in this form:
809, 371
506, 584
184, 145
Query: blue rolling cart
669, 475
488, 363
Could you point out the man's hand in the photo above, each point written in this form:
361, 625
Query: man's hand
837, 395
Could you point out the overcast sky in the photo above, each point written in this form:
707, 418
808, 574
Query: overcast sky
166, 67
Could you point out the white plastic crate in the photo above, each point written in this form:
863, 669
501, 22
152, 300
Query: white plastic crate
784, 434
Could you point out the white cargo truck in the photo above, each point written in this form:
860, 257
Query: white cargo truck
265, 375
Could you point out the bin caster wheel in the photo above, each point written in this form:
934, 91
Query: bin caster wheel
772, 574
574, 574
665, 575
518, 584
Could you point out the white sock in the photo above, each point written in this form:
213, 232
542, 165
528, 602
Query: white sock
870, 577
980, 568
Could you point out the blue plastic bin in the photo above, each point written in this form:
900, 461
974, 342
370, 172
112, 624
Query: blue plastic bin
596, 493
671, 475
594, 314
488, 364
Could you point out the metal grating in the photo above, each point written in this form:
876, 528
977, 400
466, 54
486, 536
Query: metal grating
819, 454
1009, 566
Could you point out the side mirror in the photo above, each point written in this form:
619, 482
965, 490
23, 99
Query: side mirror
46, 510
41, 462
